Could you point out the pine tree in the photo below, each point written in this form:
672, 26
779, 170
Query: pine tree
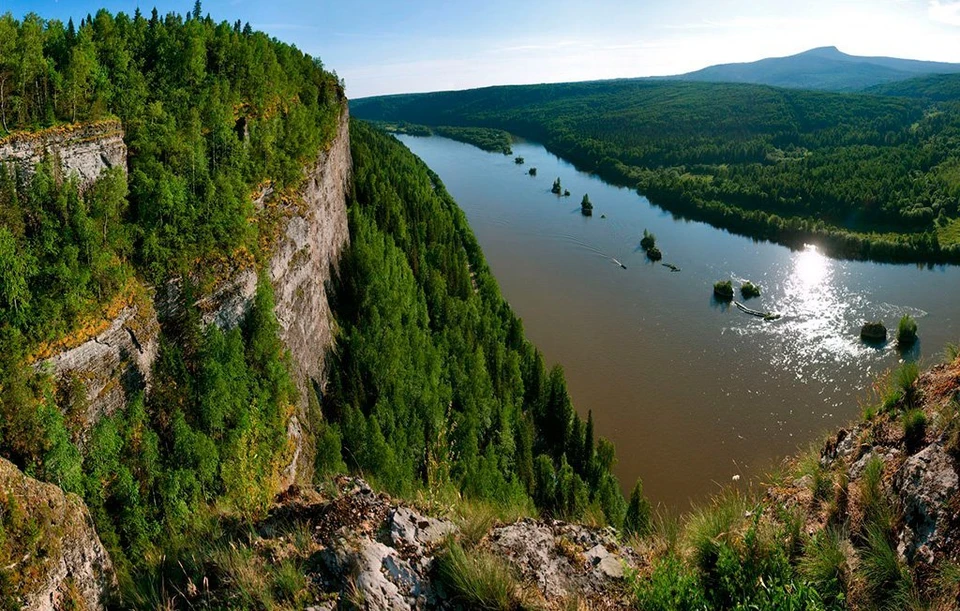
637, 521
588, 442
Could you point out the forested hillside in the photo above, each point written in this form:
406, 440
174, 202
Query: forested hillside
433, 389
210, 111
935, 87
433, 383
867, 176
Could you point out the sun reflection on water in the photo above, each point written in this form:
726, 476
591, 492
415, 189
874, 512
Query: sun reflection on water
817, 309
810, 267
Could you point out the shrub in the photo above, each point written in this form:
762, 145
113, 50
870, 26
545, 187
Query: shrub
670, 587
810, 466
906, 332
723, 289
637, 521
711, 525
876, 508
914, 429
905, 378
648, 241
749, 289
885, 576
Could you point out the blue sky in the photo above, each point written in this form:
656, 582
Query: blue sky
381, 46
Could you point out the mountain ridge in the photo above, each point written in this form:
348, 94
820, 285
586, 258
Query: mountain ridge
826, 68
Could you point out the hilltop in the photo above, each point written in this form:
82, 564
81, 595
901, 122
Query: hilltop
825, 68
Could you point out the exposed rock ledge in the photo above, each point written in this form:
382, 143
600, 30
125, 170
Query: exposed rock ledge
65, 566
366, 546
85, 150
114, 364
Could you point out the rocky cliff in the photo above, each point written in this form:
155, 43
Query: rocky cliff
82, 150
49, 547
304, 232
114, 363
113, 357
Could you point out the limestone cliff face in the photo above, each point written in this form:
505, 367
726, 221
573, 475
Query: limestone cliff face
59, 562
113, 365
303, 258
82, 150
311, 233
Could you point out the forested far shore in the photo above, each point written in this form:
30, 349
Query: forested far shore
865, 176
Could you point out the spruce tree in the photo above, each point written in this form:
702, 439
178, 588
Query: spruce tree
637, 521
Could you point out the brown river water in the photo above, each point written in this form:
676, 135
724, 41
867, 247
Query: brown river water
692, 391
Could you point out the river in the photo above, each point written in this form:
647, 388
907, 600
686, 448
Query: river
691, 391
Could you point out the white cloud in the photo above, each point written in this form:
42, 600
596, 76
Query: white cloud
945, 12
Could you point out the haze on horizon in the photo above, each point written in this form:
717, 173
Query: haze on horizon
382, 47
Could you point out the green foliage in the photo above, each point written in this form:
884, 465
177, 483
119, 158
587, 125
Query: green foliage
885, 575
905, 380
742, 565
876, 506
810, 467
637, 520
749, 289
432, 383
648, 241
61, 252
209, 113
906, 332
723, 289
824, 564
864, 176
478, 580
670, 587
914, 429
488, 139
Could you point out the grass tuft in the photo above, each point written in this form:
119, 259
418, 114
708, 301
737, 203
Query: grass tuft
478, 580
824, 564
886, 577
914, 429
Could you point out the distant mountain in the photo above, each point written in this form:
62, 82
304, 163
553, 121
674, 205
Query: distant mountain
825, 68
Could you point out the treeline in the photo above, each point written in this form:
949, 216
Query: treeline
210, 110
433, 384
872, 177
486, 138
932, 87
